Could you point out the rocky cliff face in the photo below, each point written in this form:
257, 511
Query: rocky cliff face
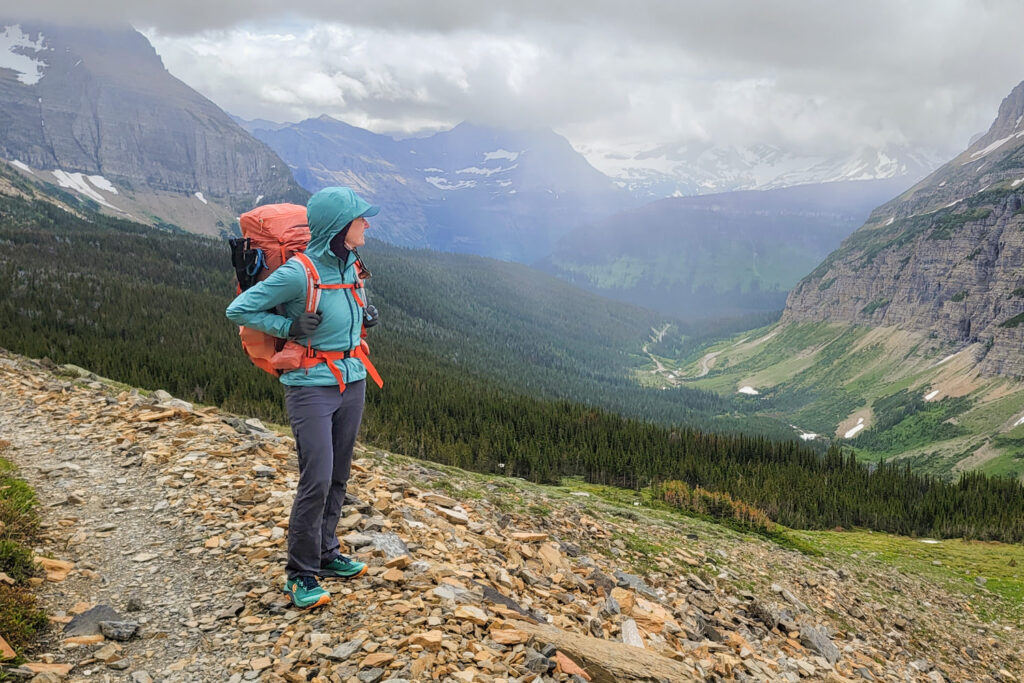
100, 102
946, 257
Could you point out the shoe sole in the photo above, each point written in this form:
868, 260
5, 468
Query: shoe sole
346, 578
323, 600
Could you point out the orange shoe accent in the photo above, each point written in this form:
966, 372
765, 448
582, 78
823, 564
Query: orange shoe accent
324, 600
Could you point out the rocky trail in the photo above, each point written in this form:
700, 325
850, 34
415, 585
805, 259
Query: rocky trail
164, 534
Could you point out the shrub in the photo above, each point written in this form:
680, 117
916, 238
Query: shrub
714, 504
20, 619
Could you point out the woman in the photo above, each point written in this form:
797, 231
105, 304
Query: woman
325, 399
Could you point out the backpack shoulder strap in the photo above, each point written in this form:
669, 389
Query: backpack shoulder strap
312, 282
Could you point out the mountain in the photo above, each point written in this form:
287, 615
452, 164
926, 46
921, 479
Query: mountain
471, 189
703, 168
716, 255
95, 112
906, 341
946, 257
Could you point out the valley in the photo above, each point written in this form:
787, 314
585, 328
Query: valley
884, 392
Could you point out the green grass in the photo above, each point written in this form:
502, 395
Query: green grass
874, 306
1002, 565
1014, 321
21, 621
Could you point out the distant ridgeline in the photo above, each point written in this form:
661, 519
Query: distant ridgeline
470, 380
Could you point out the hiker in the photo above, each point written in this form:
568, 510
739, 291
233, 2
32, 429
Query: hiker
324, 396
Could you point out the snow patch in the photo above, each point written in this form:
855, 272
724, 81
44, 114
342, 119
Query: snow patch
14, 43
931, 395
23, 166
476, 170
1019, 422
443, 184
930, 541
749, 391
258, 199
891, 220
76, 182
1017, 182
501, 154
808, 436
996, 145
102, 183
853, 432
200, 197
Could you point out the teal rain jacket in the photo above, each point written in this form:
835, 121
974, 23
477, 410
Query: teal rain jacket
328, 212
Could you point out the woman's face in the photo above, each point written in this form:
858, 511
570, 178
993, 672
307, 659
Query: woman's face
356, 236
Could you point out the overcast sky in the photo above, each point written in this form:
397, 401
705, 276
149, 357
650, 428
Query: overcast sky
812, 75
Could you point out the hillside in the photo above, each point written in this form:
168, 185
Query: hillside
475, 579
456, 324
716, 255
887, 392
94, 111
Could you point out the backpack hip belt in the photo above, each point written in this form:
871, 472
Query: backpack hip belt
362, 352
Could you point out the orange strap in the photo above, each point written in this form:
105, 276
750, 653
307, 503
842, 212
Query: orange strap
316, 356
313, 286
362, 352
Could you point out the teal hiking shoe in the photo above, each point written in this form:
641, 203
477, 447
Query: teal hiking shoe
342, 567
306, 593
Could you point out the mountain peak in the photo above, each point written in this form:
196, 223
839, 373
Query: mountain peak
1009, 120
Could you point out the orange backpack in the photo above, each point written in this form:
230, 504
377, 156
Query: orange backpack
271, 235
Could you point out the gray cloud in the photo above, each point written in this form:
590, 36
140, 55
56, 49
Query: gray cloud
810, 75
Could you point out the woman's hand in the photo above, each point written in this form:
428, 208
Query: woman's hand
304, 325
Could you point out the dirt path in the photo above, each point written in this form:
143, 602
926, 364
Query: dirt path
706, 363
104, 509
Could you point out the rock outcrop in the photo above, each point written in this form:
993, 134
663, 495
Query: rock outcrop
168, 522
945, 257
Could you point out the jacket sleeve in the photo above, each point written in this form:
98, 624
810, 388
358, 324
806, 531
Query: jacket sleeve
252, 308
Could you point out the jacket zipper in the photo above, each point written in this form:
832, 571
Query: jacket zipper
351, 300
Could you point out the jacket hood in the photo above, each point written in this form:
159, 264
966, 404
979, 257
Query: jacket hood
328, 212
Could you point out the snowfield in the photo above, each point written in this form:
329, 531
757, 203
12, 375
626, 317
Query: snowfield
77, 182
501, 154
853, 432
749, 391
14, 43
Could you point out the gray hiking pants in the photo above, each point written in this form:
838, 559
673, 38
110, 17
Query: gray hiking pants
325, 423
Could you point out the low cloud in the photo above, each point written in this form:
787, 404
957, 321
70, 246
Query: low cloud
824, 76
